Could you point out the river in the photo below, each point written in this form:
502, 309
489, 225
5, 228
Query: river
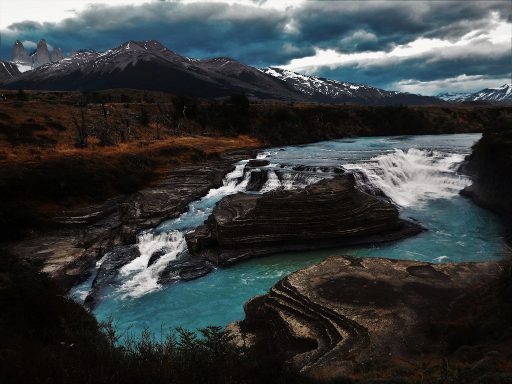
419, 173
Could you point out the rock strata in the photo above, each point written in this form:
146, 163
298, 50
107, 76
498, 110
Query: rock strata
348, 315
330, 213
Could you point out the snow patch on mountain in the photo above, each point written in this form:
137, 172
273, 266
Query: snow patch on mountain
333, 89
494, 95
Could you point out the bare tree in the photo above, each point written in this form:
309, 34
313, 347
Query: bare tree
105, 132
164, 118
128, 119
80, 122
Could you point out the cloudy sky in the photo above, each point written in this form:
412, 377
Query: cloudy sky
421, 47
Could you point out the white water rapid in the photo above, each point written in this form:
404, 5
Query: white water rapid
413, 176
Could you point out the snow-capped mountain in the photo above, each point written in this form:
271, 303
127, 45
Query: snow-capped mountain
42, 55
332, 91
493, 95
150, 65
454, 96
503, 93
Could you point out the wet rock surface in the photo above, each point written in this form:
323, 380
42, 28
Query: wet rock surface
257, 180
109, 270
330, 213
184, 269
346, 315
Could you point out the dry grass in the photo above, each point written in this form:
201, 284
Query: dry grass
42, 170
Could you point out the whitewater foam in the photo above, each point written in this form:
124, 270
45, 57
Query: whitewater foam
411, 177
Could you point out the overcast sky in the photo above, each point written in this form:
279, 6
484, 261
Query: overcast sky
421, 47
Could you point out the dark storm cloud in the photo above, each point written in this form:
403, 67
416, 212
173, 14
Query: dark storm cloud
207, 29
326, 24
264, 36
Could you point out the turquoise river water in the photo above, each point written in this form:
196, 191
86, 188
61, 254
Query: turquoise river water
419, 173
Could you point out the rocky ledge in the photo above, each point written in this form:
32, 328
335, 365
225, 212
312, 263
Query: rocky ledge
83, 235
489, 165
346, 316
330, 213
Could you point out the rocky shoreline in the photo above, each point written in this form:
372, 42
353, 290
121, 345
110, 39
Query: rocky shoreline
83, 235
346, 315
489, 165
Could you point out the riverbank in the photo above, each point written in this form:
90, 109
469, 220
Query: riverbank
68, 237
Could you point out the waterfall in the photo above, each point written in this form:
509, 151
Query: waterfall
413, 176
272, 183
169, 238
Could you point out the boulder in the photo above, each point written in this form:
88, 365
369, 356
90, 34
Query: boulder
257, 163
184, 269
257, 180
332, 212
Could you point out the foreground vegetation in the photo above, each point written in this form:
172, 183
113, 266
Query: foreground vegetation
45, 337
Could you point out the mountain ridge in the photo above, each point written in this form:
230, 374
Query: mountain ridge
150, 65
498, 94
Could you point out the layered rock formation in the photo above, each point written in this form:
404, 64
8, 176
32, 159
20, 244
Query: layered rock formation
346, 316
330, 213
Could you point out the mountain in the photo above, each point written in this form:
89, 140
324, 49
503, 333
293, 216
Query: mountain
151, 66
8, 71
41, 56
494, 95
503, 93
332, 91
20, 54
